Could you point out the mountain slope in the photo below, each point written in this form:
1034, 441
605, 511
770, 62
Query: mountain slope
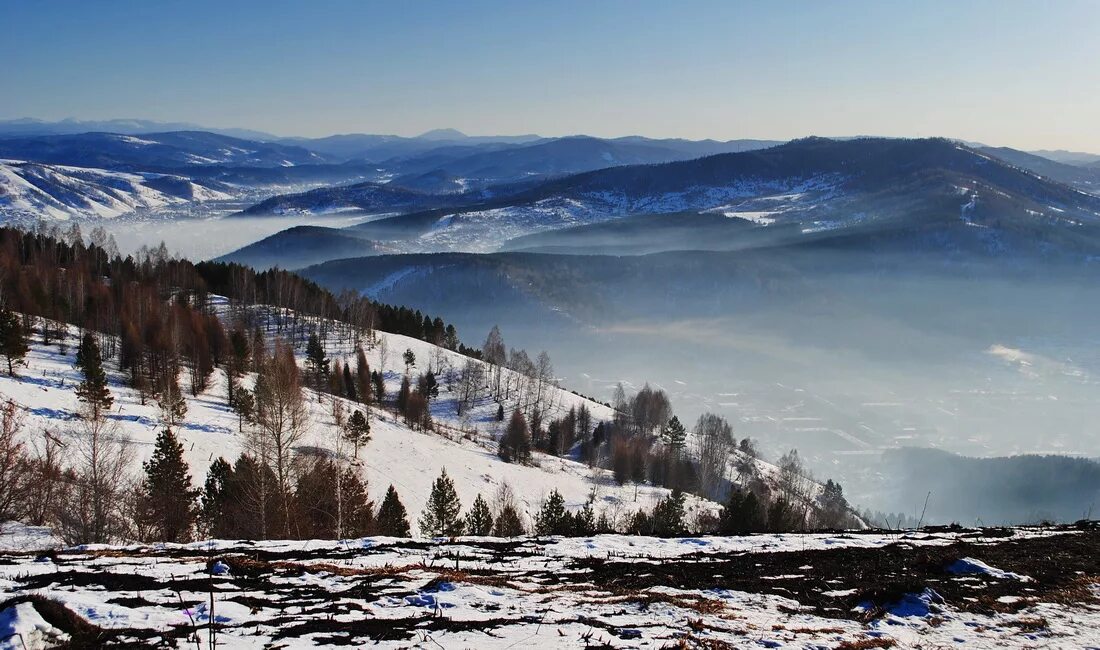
29, 191
1080, 176
817, 185
569, 155
153, 151
301, 246
410, 460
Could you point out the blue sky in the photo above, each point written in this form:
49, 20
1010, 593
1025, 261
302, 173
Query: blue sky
1023, 74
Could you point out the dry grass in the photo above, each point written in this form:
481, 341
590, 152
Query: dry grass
867, 643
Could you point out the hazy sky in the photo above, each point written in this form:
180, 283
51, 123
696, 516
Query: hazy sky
1024, 74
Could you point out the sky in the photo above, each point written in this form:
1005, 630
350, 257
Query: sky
1001, 72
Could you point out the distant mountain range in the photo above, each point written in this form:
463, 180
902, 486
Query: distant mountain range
915, 193
30, 126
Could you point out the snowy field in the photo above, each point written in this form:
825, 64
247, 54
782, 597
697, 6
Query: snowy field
934, 589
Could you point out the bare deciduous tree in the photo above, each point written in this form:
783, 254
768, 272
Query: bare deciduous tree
713, 441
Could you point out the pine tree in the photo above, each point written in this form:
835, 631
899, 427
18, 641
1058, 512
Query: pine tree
214, 510
316, 359
93, 389
13, 340
515, 444
833, 511
392, 521
479, 520
379, 386
427, 385
409, 358
553, 518
441, 516
584, 520
244, 404
668, 516
675, 436
173, 406
508, 523
167, 499
357, 431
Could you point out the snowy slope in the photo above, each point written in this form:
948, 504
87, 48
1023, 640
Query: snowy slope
408, 459
32, 191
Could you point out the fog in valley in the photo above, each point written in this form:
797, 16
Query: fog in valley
842, 359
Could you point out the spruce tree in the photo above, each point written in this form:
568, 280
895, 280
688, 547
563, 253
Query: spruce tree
479, 520
392, 521
675, 436
409, 358
214, 510
168, 502
668, 516
442, 514
357, 431
13, 340
553, 518
93, 389
316, 359
508, 523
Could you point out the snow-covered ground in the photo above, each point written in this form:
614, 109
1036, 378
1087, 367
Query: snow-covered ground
410, 460
919, 590
29, 191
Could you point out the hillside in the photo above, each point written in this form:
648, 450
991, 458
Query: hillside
29, 191
152, 150
903, 192
410, 460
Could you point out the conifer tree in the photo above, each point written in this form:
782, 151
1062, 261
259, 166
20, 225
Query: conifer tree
362, 377
13, 340
173, 406
357, 431
167, 499
479, 520
668, 516
379, 393
553, 518
93, 389
214, 508
315, 358
442, 514
675, 435
515, 444
244, 404
508, 523
403, 395
409, 358
584, 520
427, 385
392, 521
